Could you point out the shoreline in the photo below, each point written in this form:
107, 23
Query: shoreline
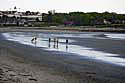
26, 64
62, 29
16, 66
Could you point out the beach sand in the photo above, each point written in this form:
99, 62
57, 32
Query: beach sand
25, 64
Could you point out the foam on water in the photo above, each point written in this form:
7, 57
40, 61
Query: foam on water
75, 49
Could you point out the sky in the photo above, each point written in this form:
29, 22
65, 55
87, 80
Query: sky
66, 6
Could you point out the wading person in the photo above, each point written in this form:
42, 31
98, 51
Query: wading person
66, 43
54, 42
49, 42
34, 39
57, 42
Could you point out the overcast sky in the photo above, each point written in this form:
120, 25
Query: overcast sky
65, 5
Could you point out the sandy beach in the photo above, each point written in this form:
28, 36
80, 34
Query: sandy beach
21, 63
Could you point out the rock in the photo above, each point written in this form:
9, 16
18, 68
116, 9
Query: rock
33, 79
24, 74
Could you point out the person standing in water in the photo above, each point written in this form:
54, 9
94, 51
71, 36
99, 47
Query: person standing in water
49, 42
54, 42
57, 42
34, 38
67, 43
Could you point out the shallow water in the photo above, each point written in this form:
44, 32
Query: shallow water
43, 41
116, 36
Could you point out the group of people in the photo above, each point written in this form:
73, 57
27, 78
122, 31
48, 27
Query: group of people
56, 41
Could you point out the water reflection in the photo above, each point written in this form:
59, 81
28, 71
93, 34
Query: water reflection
34, 42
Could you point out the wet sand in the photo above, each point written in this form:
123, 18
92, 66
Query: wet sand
25, 64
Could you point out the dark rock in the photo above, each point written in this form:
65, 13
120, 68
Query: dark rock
33, 79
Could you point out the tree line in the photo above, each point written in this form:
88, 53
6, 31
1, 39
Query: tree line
83, 19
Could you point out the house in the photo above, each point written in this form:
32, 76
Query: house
19, 18
106, 21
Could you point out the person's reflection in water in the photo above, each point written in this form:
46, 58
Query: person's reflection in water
66, 48
34, 42
49, 45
